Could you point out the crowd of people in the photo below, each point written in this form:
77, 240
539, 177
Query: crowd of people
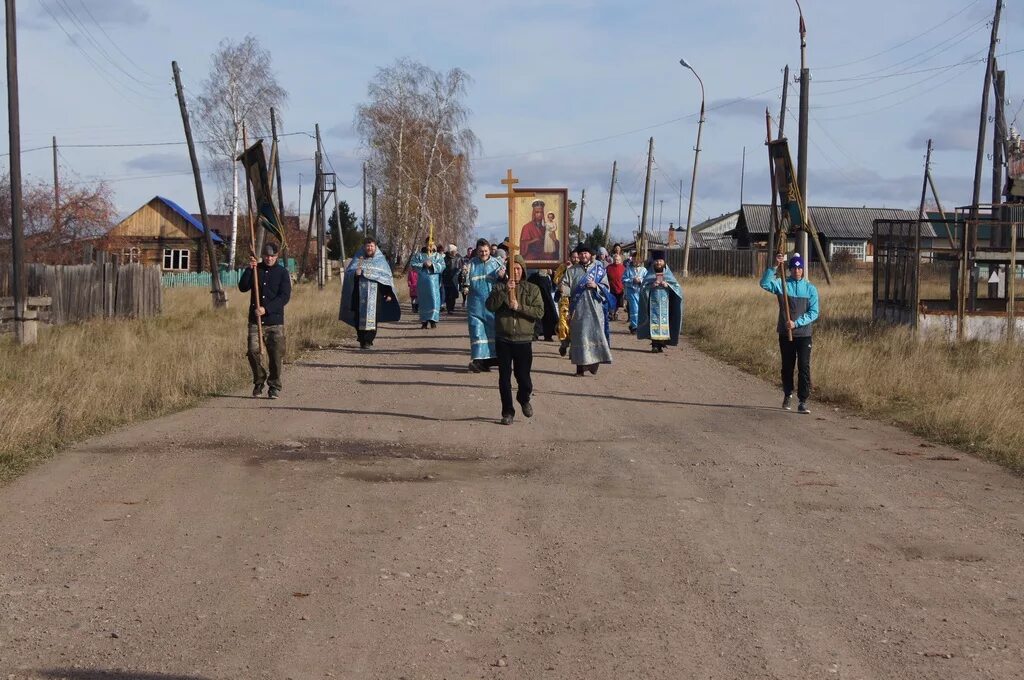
508, 308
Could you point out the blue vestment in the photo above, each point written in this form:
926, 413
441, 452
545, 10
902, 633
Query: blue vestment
370, 296
632, 291
428, 284
661, 309
588, 316
482, 276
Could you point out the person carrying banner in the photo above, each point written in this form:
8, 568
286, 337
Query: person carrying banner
794, 326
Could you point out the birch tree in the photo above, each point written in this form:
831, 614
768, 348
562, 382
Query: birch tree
414, 129
241, 88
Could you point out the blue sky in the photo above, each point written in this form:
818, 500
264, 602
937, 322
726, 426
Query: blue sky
561, 89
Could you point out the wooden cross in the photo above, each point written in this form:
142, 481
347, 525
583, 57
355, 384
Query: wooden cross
511, 195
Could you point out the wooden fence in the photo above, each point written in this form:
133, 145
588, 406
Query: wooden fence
92, 291
704, 262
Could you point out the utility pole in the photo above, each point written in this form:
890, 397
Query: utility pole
805, 110
679, 217
924, 185
661, 212
611, 194
364, 198
321, 246
693, 183
972, 225
654, 199
647, 187
216, 292
785, 96
579, 224
56, 191
999, 139
743, 174
23, 330
280, 185
373, 197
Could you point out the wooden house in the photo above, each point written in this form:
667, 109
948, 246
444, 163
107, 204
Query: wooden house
164, 234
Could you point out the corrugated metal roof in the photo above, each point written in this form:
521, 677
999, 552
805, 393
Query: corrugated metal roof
833, 222
196, 224
711, 241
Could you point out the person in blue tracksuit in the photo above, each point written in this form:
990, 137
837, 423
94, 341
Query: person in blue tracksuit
803, 312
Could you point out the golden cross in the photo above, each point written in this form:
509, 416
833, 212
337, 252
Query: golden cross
511, 195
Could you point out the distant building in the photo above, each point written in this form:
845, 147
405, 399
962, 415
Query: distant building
164, 234
840, 229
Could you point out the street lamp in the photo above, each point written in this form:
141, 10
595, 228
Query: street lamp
693, 178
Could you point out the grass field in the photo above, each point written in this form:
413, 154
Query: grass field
969, 395
83, 380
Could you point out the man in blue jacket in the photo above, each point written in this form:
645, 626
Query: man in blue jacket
275, 291
803, 312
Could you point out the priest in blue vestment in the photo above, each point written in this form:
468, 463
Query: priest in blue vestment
632, 281
428, 264
661, 305
368, 293
484, 272
586, 284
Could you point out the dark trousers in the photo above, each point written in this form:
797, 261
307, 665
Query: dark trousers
796, 353
366, 337
451, 297
273, 338
514, 357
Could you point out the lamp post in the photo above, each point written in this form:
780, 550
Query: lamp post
693, 178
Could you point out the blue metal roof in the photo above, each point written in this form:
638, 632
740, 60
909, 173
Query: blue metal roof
188, 218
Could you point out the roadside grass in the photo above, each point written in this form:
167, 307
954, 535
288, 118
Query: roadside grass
86, 379
969, 395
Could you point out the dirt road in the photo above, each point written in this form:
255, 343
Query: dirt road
662, 520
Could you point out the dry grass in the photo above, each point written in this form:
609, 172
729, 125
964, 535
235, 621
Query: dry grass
970, 396
87, 379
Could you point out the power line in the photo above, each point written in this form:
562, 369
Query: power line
902, 44
96, 66
70, 14
112, 41
138, 145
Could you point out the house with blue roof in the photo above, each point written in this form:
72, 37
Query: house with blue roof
164, 234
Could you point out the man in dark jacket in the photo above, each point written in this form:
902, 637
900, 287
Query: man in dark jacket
798, 320
450, 277
275, 291
517, 304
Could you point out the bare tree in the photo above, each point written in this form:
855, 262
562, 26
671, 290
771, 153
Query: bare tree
241, 88
414, 130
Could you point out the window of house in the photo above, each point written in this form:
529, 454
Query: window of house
131, 256
856, 248
175, 259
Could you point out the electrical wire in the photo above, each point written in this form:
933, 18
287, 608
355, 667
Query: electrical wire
76, 20
904, 43
114, 43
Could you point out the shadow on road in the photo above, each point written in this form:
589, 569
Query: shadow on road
375, 414
99, 674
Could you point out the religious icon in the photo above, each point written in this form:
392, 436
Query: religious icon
542, 223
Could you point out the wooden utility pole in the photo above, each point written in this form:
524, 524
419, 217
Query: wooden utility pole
321, 246
216, 292
972, 225
579, 225
647, 187
924, 185
364, 198
999, 139
309, 228
56, 191
785, 96
24, 328
611, 194
743, 174
373, 207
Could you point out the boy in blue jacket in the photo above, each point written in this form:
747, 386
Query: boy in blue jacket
803, 312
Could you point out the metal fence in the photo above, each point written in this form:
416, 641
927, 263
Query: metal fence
91, 291
704, 262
